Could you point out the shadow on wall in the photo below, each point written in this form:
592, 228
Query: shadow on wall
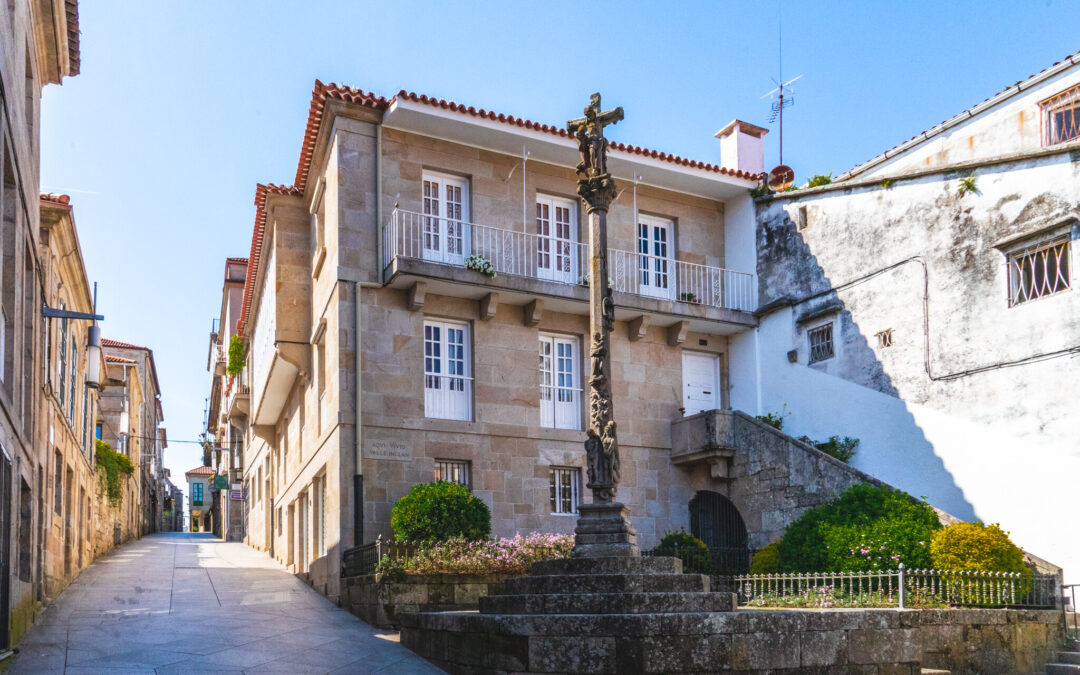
847, 393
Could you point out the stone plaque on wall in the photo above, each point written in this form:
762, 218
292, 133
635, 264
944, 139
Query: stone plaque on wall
386, 449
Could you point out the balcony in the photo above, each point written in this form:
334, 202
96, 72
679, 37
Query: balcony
219, 359
418, 246
238, 397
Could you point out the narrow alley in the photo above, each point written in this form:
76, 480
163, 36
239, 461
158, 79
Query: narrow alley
190, 603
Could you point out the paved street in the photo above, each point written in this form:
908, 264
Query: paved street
188, 603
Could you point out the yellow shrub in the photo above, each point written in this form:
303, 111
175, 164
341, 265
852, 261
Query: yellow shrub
767, 560
974, 546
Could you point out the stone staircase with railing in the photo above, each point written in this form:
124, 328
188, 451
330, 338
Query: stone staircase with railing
1066, 662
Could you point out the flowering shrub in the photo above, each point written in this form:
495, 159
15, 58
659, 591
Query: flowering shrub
481, 265
491, 556
440, 510
975, 546
830, 597
866, 528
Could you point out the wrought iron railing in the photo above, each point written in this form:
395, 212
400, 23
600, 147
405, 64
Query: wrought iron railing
691, 283
408, 234
901, 587
365, 559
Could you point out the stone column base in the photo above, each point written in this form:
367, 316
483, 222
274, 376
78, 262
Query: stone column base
604, 531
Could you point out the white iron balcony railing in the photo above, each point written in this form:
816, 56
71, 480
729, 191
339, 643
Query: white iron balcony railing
444, 240
667, 279
408, 234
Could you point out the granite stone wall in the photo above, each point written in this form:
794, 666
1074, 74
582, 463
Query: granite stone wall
378, 600
747, 641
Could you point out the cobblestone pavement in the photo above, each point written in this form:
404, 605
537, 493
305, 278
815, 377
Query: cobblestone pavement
189, 603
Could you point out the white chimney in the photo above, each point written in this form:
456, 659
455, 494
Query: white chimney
742, 147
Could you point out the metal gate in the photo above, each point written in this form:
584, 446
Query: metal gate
716, 521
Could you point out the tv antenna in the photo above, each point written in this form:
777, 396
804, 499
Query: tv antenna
782, 96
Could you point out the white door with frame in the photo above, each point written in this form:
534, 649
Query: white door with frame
445, 228
556, 236
560, 383
701, 382
447, 371
655, 243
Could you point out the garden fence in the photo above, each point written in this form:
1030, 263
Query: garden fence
718, 560
364, 559
901, 588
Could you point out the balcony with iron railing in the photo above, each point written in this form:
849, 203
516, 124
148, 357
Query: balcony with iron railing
423, 246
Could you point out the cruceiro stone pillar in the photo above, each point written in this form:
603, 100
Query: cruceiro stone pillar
603, 528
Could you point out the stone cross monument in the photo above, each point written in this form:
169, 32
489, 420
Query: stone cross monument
603, 528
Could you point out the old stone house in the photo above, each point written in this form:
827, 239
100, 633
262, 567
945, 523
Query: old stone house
925, 302
200, 484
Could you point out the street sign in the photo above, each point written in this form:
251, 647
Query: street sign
236, 495
221, 482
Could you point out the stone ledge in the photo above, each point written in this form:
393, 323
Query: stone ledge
608, 603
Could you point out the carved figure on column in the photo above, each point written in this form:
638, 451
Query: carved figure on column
594, 183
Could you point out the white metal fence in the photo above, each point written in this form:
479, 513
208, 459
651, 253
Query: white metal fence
901, 587
408, 234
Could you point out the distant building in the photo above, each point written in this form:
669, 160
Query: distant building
173, 514
200, 483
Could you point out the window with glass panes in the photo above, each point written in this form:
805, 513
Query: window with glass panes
447, 371
560, 382
565, 482
453, 470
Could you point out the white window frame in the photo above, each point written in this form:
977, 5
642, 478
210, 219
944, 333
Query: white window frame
455, 471
560, 388
656, 261
564, 483
1035, 254
556, 239
447, 392
445, 231
810, 331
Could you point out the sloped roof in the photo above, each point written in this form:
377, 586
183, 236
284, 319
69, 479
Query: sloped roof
201, 471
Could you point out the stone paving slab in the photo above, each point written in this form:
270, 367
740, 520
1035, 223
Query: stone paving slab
177, 603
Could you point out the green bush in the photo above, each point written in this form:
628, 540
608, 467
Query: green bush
818, 179
842, 449
767, 560
692, 551
236, 356
108, 467
974, 546
866, 528
438, 511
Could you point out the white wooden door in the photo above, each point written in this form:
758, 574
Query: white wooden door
446, 236
701, 382
556, 234
655, 243
560, 385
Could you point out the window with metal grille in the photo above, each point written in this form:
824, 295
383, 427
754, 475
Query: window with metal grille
565, 482
1039, 270
455, 471
1061, 117
821, 343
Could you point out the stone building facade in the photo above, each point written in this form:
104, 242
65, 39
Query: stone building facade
943, 272
39, 45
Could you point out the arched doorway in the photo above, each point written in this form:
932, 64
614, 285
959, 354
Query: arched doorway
716, 521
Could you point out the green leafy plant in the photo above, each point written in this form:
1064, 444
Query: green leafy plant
760, 191
885, 184
842, 449
967, 185
439, 511
767, 560
686, 547
817, 180
688, 297
480, 264
774, 419
975, 546
109, 466
236, 355
865, 528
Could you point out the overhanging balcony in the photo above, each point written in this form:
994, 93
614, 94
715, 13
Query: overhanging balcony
527, 265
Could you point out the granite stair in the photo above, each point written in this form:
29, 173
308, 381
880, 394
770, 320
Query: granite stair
1065, 663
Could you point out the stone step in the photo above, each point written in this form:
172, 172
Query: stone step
935, 671
607, 583
1068, 657
620, 565
1062, 669
608, 603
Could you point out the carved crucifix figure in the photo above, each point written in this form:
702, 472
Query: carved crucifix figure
598, 190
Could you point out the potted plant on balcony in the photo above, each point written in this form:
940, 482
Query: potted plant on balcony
690, 297
480, 264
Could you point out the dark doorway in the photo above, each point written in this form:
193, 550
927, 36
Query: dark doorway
5, 550
716, 521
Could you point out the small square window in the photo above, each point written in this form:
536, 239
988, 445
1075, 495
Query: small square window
1039, 270
565, 481
452, 470
1061, 117
821, 343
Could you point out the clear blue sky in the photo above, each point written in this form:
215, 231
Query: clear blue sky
182, 107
